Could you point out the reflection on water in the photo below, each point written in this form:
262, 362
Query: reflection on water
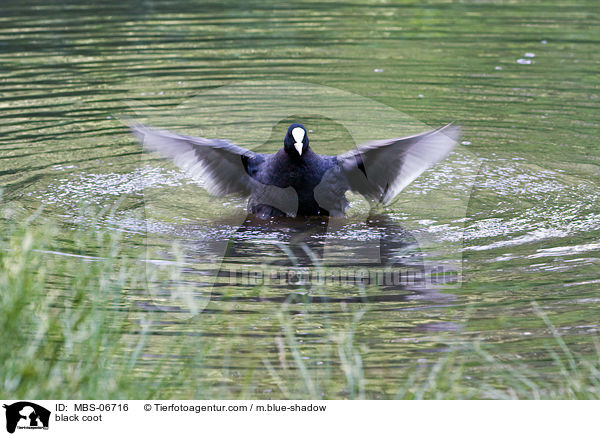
374, 260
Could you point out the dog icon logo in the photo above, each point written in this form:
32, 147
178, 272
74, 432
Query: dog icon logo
26, 415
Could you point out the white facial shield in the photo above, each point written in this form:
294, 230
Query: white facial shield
298, 134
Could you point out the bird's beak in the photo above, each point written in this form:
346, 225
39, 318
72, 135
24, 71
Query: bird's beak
298, 134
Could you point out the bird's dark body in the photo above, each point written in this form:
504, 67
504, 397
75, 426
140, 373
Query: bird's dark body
283, 170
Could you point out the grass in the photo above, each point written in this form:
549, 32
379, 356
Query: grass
71, 327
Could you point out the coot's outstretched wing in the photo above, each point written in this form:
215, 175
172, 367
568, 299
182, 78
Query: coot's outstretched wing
379, 170
222, 167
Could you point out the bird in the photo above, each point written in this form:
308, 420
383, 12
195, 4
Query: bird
296, 181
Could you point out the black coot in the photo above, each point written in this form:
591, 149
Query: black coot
296, 181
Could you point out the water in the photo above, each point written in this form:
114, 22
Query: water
513, 215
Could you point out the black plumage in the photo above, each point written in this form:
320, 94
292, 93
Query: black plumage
296, 181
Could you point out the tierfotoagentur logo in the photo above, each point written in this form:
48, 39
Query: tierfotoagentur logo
26, 415
196, 243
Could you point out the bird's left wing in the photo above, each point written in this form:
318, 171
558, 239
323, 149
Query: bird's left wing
221, 166
379, 170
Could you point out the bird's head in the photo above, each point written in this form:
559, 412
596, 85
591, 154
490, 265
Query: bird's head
295, 142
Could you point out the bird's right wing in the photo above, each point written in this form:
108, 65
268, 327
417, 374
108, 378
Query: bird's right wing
221, 166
